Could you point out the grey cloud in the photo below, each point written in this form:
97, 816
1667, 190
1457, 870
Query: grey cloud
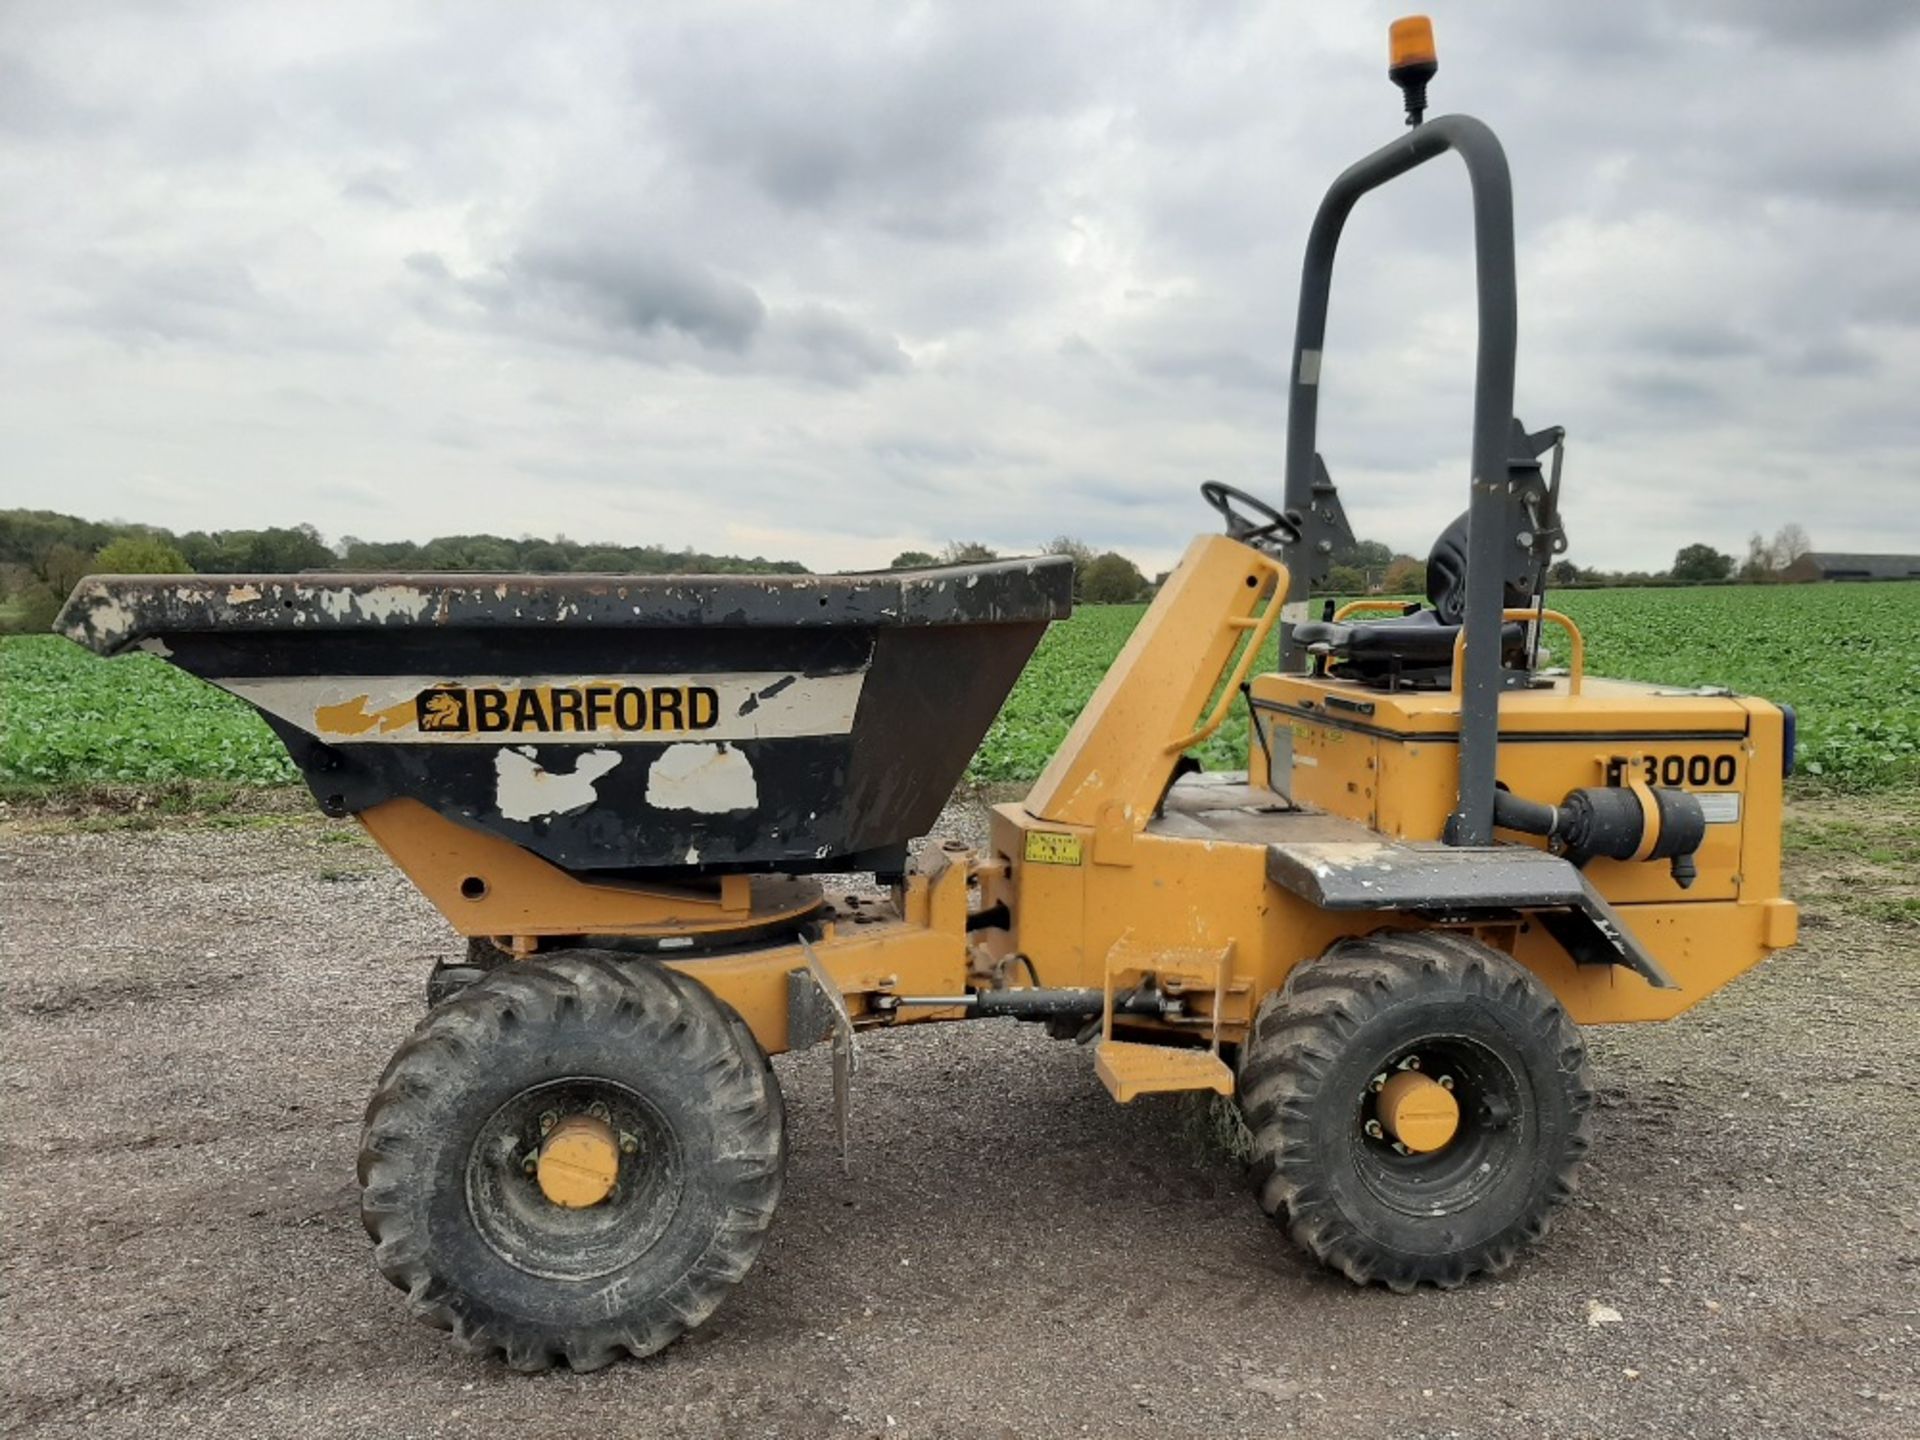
1807, 348
1871, 173
659, 308
33, 105
838, 351
1832, 358
201, 300
428, 265
1227, 367
632, 290
1696, 340
1667, 393
1124, 494
911, 118
1631, 30
931, 452
373, 190
1825, 23
211, 303
911, 450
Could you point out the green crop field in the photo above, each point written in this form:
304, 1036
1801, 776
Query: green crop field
1845, 656
68, 717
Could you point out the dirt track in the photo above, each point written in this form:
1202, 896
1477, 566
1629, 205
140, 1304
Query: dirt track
193, 1018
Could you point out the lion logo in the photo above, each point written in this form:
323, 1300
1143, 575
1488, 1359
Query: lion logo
444, 709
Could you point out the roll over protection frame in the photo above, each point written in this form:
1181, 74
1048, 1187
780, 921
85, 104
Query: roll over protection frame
1471, 822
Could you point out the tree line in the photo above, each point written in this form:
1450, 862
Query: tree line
1368, 567
43, 554
1110, 578
1701, 564
1099, 577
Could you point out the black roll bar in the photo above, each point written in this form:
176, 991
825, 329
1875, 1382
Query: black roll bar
1472, 820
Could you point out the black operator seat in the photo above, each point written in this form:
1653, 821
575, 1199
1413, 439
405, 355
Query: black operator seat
1415, 649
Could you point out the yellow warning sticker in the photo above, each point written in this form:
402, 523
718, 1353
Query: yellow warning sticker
1050, 847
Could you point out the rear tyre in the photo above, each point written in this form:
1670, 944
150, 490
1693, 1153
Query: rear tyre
1468, 1017
450, 1168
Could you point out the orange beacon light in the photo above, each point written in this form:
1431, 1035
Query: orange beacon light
1412, 61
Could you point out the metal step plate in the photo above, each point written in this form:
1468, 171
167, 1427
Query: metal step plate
1129, 1069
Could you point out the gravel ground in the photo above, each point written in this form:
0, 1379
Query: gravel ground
194, 1016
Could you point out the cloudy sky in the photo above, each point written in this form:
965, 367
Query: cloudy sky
826, 282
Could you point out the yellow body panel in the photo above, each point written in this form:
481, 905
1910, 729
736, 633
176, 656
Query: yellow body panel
916, 945
1177, 896
1126, 742
1391, 761
1184, 893
486, 885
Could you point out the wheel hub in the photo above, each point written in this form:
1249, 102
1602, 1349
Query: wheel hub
1418, 1112
579, 1162
574, 1178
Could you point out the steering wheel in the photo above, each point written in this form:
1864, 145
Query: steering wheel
1249, 518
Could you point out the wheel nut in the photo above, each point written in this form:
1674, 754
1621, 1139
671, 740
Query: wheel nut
599, 1111
529, 1163
1374, 1130
1378, 1083
628, 1144
548, 1121
1446, 1082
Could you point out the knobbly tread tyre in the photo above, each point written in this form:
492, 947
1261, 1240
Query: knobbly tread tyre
575, 1013
1340, 1014
449, 978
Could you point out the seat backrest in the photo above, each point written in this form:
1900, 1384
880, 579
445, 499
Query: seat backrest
1447, 576
1447, 572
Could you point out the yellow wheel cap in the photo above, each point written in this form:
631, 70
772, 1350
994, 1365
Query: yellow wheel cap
1420, 1113
579, 1161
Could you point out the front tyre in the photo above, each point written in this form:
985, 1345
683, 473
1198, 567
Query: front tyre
575, 1158
1419, 1108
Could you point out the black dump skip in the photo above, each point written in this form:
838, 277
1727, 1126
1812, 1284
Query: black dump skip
615, 724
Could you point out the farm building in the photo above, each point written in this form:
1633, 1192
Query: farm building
1823, 566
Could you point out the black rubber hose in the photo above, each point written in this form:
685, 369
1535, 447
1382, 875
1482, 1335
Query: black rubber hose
1529, 817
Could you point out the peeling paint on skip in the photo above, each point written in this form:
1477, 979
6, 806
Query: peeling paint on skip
108, 619
383, 602
527, 790
712, 779
378, 604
